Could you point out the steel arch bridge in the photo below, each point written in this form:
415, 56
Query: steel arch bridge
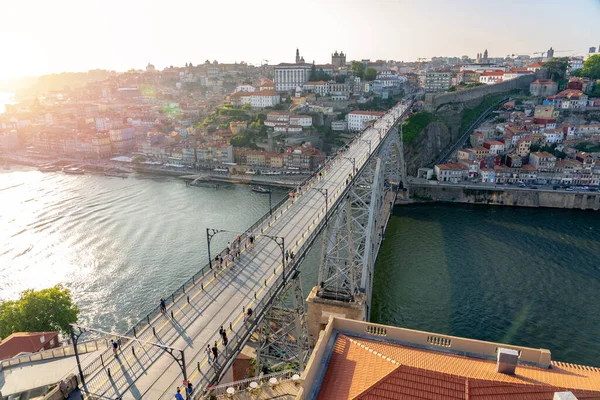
205, 323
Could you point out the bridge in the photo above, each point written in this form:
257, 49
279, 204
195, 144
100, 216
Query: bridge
348, 201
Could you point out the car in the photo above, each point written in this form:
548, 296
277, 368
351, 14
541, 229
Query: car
534, 187
570, 189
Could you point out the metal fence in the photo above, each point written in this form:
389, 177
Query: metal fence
63, 351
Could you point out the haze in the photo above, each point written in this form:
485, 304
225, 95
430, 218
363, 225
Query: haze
39, 37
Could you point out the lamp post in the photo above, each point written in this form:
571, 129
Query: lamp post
353, 161
324, 193
368, 142
280, 240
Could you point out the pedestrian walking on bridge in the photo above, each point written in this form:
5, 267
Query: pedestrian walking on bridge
287, 255
115, 347
163, 306
208, 352
215, 351
178, 395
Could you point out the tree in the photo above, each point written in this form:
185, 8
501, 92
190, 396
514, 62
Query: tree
591, 68
38, 311
358, 68
313, 73
370, 74
557, 67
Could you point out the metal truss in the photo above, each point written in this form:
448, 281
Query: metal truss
282, 334
351, 243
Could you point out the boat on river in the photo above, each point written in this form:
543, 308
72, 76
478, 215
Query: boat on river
260, 189
73, 171
48, 168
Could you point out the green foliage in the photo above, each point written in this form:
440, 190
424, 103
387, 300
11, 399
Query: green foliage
370, 74
318, 74
38, 311
246, 107
595, 92
591, 67
358, 68
415, 124
587, 147
470, 115
452, 89
138, 159
557, 67
340, 79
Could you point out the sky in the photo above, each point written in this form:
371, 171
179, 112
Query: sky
41, 36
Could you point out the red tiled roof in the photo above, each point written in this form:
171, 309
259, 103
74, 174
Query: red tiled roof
374, 370
377, 113
24, 342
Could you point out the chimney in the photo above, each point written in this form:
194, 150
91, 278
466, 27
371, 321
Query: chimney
564, 396
507, 361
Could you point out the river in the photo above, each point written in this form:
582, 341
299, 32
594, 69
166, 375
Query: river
515, 275
524, 276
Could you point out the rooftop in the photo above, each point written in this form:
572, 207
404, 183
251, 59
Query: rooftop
24, 342
358, 360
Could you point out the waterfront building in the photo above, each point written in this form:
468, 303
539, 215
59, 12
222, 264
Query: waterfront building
27, 342
260, 99
491, 77
455, 172
358, 120
542, 161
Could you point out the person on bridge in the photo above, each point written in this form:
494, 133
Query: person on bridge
163, 306
178, 395
292, 255
215, 351
115, 347
208, 352
228, 247
190, 388
287, 255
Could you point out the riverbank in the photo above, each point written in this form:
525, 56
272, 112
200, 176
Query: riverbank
543, 197
247, 180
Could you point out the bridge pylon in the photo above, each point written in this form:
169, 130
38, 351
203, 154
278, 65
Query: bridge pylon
351, 242
282, 334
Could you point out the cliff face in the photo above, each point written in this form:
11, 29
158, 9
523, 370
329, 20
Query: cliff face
436, 137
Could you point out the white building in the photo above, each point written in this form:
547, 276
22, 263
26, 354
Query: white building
9, 140
482, 67
301, 120
289, 76
339, 125
554, 136
245, 88
320, 87
358, 120
491, 77
260, 99
575, 63
264, 98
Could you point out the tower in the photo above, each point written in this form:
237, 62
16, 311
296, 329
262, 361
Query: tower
550, 53
297, 56
485, 55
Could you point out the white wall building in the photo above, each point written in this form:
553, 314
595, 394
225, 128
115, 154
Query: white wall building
301, 120
290, 76
264, 98
358, 120
245, 88
491, 77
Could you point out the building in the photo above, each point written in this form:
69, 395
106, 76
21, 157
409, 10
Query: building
362, 360
570, 99
542, 161
437, 81
467, 76
454, 173
290, 76
358, 120
543, 88
491, 77
494, 147
575, 63
319, 87
27, 342
338, 59
339, 125
260, 99
9, 140
245, 88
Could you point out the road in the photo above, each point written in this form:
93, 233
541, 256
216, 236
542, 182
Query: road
152, 373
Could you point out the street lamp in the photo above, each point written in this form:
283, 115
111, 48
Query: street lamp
353, 161
324, 193
368, 142
280, 240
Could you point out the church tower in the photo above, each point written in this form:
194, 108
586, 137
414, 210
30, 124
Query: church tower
485, 55
297, 56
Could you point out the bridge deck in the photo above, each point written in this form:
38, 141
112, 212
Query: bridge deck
150, 372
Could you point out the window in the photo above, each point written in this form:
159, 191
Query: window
43, 339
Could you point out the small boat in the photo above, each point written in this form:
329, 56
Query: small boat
73, 171
259, 189
48, 168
